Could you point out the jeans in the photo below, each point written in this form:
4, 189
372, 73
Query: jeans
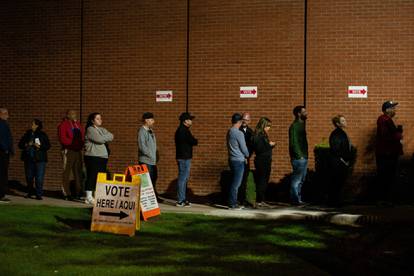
243, 186
4, 169
300, 168
237, 169
184, 166
35, 171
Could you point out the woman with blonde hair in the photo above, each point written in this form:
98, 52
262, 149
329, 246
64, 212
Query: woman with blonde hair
262, 146
342, 157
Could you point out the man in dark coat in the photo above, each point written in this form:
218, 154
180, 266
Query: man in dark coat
387, 151
184, 142
248, 137
6, 150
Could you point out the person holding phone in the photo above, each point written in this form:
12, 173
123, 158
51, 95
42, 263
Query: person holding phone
34, 145
262, 147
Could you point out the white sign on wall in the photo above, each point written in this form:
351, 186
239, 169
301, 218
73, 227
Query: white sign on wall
248, 92
357, 91
164, 96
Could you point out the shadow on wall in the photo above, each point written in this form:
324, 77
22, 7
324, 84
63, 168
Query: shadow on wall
280, 192
16, 188
362, 191
369, 152
213, 198
402, 191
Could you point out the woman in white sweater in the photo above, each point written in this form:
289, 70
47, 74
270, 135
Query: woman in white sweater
96, 152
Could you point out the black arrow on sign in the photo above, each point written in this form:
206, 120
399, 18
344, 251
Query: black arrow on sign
121, 214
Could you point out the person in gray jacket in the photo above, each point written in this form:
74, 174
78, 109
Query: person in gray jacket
147, 148
96, 152
238, 154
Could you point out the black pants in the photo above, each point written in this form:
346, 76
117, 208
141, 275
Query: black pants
337, 175
4, 173
263, 169
94, 165
386, 176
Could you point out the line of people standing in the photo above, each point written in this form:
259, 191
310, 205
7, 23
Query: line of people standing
242, 142
341, 158
94, 139
184, 143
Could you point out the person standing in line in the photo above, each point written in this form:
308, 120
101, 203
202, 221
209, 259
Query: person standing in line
238, 154
341, 158
34, 145
96, 152
72, 138
262, 147
298, 150
248, 134
6, 150
184, 142
387, 151
147, 148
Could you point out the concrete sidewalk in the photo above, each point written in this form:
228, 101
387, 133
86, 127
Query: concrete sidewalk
354, 215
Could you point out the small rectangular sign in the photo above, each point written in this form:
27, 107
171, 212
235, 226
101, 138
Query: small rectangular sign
357, 91
164, 96
148, 199
248, 92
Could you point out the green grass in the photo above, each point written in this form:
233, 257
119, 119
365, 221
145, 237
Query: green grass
49, 240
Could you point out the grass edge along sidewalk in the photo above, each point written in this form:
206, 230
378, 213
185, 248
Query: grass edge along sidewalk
354, 215
45, 240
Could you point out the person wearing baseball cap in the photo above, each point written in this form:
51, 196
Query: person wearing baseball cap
238, 154
184, 142
388, 148
388, 104
147, 148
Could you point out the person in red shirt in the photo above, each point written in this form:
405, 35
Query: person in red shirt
388, 149
72, 138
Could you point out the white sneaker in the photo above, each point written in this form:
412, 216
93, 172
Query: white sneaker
89, 201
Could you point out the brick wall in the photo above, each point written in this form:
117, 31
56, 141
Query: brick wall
360, 43
133, 48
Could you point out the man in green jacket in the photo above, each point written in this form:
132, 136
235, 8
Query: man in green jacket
298, 150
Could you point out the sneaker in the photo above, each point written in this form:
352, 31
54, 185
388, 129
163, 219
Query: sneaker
39, 198
187, 203
235, 208
89, 201
262, 205
180, 204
